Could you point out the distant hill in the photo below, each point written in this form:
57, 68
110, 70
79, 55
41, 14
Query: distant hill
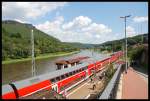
116, 45
81, 45
16, 41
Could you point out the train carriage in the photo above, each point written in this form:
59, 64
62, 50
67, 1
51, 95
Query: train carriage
8, 92
57, 80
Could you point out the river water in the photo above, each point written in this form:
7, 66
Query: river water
22, 70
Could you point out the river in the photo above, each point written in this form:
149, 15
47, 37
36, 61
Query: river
22, 70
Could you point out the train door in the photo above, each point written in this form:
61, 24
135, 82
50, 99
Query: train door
55, 87
86, 75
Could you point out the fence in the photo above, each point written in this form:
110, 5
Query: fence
111, 89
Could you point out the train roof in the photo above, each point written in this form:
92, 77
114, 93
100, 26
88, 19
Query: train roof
6, 88
47, 76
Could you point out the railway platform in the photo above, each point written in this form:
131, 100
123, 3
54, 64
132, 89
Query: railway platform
85, 89
134, 86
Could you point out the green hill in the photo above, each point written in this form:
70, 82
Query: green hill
116, 45
80, 45
16, 41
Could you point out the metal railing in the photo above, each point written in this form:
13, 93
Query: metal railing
111, 89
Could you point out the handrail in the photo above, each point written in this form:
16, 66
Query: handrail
110, 88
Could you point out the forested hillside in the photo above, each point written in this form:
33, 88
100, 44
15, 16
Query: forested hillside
117, 45
137, 48
81, 45
16, 41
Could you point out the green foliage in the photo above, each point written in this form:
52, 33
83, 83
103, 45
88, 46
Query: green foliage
110, 71
145, 65
4, 55
117, 45
16, 41
135, 53
16, 35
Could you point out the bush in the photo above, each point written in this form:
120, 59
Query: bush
136, 53
110, 71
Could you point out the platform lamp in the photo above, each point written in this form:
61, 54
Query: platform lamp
125, 17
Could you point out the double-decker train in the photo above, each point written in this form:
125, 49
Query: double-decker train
57, 80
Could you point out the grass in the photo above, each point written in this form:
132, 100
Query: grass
44, 56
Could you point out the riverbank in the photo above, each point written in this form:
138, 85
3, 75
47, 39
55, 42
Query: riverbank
44, 56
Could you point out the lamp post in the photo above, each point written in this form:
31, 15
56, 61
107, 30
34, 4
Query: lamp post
141, 34
33, 59
125, 17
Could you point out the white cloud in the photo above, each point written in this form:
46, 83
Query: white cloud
80, 31
52, 27
97, 36
130, 31
24, 10
139, 19
78, 22
97, 28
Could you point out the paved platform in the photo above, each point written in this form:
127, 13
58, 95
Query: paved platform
83, 90
134, 86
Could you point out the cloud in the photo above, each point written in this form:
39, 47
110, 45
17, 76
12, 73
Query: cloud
139, 19
25, 10
97, 28
130, 31
83, 30
78, 22
52, 27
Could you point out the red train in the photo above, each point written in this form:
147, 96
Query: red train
57, 80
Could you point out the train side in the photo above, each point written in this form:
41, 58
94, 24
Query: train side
59, 82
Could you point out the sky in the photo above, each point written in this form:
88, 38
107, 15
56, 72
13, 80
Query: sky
85, 22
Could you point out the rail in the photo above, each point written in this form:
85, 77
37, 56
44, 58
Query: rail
110, 90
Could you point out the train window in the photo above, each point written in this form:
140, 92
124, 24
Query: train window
85, 68
67, 75
58, 78
80, 70
65, 66
70, 73
74, 72
62, 77
52, 80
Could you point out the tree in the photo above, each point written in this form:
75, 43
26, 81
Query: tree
4, 54
16, 35
136, 53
